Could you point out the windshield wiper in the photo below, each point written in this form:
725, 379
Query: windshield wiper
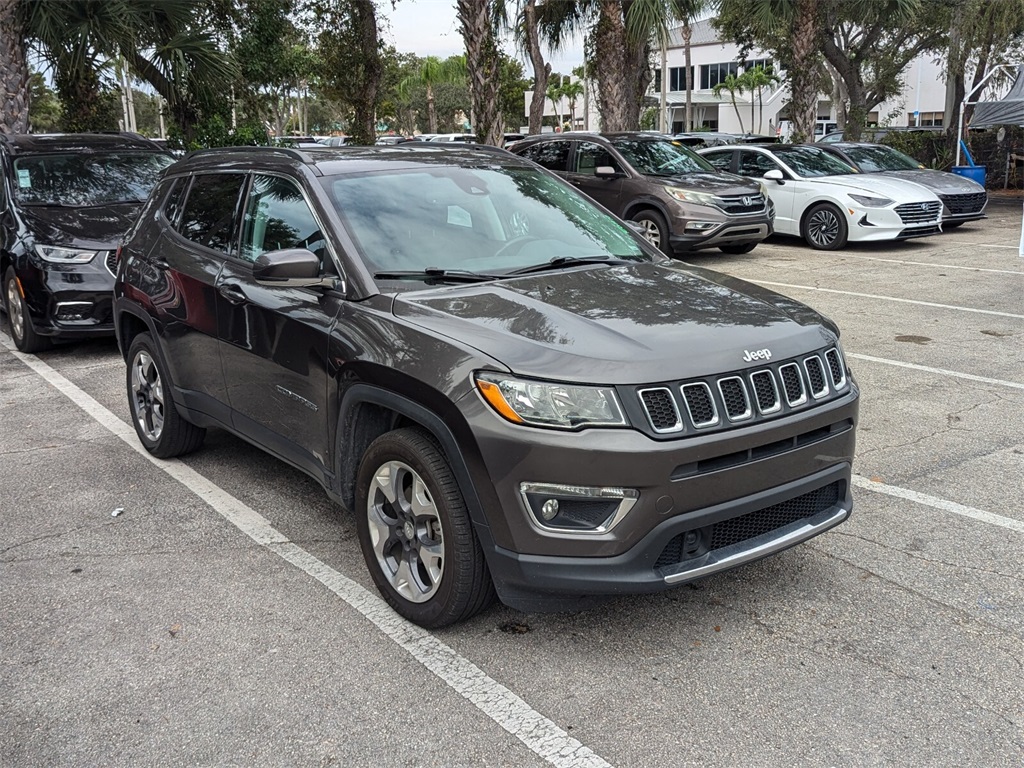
560, 262
434, 274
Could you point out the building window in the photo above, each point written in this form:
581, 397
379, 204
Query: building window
924, 119
765, 64
676, 79
712, 74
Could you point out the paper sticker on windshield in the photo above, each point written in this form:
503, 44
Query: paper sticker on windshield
459, 216
24, 180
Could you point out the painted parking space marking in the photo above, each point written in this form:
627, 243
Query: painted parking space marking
932, 264
933, 501
538, 733
889, 298
939, 371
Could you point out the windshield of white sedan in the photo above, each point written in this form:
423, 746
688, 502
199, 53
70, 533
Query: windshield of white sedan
662, 158
75, 179
878, 159
811, 162
474, 220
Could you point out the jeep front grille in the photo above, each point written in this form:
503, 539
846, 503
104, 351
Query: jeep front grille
919, 213
735, 398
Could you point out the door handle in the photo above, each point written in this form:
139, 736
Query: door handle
232, 292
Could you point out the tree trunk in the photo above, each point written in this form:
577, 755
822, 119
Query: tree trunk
954, 74
364, 99
613, 93
79, 91
431, 110
14, 90
663, 110
541, 70
687, 36
850, 77
483, 65
803, 97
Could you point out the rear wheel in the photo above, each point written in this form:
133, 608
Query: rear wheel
24, 335
158, 424
654, 229
825, 228
414, 529
737, 249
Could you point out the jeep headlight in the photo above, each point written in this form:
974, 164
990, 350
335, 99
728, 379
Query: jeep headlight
550, 404
54, 254
689, 196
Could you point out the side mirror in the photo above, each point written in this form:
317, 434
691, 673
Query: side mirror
606, 172
292, 267
775, 175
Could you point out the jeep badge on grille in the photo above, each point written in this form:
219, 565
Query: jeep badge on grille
760, 354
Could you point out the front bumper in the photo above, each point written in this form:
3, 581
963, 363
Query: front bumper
69, 300
735, 231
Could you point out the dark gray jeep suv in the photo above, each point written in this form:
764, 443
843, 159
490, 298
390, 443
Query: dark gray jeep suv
511, 390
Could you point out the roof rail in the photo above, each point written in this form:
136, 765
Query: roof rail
291, 152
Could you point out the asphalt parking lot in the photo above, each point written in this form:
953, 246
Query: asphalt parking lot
224, 616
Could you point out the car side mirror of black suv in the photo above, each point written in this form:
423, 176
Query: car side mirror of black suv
292, 267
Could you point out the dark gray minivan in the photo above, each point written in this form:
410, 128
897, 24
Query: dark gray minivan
511, 390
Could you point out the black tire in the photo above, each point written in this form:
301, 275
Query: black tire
824, 228
19, 323
160, 427
737, 250
656, 230
426, 563
952, 224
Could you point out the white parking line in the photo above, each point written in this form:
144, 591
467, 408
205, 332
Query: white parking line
995, 245
505, 708
931, 264
933, 501
888, 298
940, 371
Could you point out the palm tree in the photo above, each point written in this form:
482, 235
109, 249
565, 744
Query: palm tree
483, 65
14, 75
526, 35
734, 86
756, 79
431, 72
554, 93
572, 90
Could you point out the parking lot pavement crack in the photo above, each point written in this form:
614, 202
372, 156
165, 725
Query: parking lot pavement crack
923, 559
123, 555
954, 611
45, 537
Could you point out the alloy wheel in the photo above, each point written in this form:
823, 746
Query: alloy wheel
147, 396
651, 232
15, 314
823, 227
405, 531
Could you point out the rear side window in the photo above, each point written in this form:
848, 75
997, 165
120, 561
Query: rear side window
211, 208
553, 155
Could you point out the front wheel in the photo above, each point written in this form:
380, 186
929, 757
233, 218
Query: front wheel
414, 529
158, 424
24, 335
654, 229
825, 228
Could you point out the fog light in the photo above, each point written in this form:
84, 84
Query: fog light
549, 509
575, 509
701, 226
72, 311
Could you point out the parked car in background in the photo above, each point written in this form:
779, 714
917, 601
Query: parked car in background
299, 142
384, 141
466, 138
825, 201
65, 202
962, 199
334, 141
680, 201
510, 390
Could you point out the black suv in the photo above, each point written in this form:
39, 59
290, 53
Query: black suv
678, 199
65, 202
509, 387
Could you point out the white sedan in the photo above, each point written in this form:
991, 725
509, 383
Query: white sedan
826, 202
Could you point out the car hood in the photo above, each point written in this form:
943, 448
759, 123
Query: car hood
634, 324
721, 184
98, 227
878, 184
939, 182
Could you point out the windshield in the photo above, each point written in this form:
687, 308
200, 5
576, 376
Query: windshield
878, 159
661, 158
810, 162
87, 179
485, 220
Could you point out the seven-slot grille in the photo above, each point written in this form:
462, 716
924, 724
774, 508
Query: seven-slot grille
719, 402
919, 213
742, 204
969, 202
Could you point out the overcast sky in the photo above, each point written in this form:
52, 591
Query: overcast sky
429, 28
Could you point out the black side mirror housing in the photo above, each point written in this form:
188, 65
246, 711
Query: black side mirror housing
294, 267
